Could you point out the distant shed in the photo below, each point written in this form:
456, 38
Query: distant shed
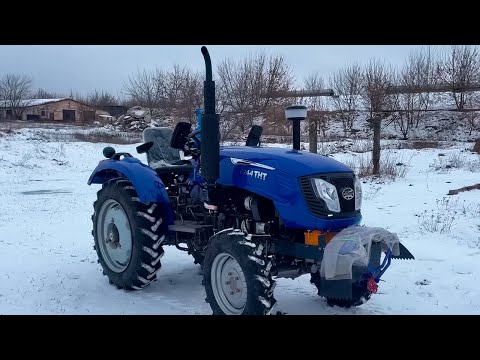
63, 109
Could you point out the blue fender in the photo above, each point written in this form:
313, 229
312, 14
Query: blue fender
146, 182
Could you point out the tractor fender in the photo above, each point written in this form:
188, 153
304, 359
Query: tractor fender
146, 182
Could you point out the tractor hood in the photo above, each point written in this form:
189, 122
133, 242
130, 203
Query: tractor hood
295, 163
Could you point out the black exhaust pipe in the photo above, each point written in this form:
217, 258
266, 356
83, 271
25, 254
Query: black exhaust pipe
296, 134
210, 140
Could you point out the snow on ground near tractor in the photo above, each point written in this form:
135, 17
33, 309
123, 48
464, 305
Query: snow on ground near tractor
48, 265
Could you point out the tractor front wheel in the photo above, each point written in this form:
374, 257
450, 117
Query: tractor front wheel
360, 293
237, 276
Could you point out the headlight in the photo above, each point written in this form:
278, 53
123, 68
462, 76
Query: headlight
327, 192
358, 194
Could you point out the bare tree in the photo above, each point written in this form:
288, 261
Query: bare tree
77, 96
45, 94
235, 83
182, 92
228, 126
144, 88
277, 78
173, 85
15, 90
376, 81
458, 69
346, 83
426, 61
473, 117
418, 72
103, 98
192, 95
174, 92
316, 106
403, 110
248, 87
409, 104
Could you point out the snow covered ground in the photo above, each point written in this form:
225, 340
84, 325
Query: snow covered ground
48, 265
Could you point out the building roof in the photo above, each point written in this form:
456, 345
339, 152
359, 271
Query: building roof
33, 102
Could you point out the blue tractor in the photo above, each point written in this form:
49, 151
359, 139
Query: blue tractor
247, 214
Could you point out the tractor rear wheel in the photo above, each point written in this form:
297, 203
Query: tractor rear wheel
236, 276
128, 235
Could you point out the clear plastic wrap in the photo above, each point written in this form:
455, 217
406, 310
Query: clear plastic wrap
351, 246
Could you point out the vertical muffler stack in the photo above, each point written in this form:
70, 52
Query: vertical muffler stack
210, 139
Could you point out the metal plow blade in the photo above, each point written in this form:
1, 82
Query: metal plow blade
404, 254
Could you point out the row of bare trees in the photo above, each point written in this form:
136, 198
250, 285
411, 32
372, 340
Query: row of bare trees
247, 90
424, 73
176, 91
403, 94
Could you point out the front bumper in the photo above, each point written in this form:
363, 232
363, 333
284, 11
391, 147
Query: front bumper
342, 289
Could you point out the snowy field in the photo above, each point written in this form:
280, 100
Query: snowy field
48, 265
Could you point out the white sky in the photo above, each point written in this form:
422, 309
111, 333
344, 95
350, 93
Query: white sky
84, 68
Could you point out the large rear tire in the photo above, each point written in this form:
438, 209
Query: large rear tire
128, 235
237, 276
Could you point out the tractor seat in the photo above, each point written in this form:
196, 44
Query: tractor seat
161, 157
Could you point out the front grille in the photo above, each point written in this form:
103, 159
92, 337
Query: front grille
341, 183
318, 206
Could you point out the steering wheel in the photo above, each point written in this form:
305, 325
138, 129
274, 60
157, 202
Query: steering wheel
192, 136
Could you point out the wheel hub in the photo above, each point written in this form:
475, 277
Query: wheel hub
232, 282
113, 237
229, 284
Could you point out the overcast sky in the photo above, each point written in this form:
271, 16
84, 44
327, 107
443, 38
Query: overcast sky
84, 68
